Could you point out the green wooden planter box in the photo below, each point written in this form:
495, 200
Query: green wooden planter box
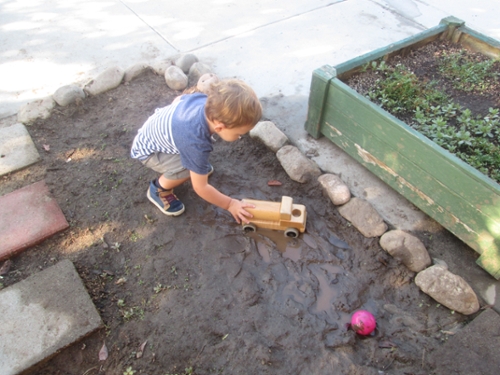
456, 195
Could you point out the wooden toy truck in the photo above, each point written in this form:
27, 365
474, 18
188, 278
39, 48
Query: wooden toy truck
285, 216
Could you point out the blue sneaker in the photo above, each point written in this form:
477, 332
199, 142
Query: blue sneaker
165, 200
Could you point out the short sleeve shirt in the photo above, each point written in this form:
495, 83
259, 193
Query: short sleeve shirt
180, 128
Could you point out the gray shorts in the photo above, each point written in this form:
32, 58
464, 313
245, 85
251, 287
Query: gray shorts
167, 164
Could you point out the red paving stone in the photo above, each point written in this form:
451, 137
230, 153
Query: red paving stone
28, 216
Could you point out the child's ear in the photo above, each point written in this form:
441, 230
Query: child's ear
218, 126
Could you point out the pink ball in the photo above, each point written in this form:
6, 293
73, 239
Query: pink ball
363, 322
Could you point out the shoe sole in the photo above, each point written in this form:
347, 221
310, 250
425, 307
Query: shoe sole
162, 209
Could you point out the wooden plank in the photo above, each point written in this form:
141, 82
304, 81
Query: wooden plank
414, 157
318, 93
490, 260
369, 118
344, 70
477, 42
461, 203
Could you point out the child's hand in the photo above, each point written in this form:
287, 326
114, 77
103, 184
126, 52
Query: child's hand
237, 209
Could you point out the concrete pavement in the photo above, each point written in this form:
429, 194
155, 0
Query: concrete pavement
273, 45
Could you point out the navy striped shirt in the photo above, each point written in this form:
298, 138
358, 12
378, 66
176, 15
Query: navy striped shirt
180, 128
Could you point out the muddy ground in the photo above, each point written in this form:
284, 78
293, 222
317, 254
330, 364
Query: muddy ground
205, 297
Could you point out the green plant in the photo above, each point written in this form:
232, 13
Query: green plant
465, 73
134, 236
474, 139
158, 288
129, 371
130, 312
187, 371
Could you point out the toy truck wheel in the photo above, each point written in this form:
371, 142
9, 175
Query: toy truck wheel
247, 228
291, 232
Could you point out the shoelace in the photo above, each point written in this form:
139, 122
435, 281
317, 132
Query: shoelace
169, 198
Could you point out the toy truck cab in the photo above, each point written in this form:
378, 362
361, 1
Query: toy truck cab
284, 215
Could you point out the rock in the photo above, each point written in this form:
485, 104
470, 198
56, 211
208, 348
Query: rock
196, 71
364, 217
335, 189
68, 94
160, 67
296, 165
107, 80
407, 249
269, 134
205, 81
38, 109
185, 62
448, 289
135, 71
175, 78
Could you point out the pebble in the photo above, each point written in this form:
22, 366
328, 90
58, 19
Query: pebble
335, 189
448, 289
186, 61
175, 78
39, 109
407, 249
364, 217
297, 165
107, 80
270, 135
68, 94
135, 71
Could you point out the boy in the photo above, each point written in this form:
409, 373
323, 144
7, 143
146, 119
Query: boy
176, 141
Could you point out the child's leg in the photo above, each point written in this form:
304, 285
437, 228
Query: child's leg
169, 184
160, 191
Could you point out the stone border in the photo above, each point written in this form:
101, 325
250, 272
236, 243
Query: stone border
179, 72
182, 71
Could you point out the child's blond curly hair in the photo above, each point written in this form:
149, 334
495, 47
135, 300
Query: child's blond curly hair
233, 103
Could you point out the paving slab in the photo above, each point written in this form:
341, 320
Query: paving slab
43, 314
28, 216
472, 350
17, 149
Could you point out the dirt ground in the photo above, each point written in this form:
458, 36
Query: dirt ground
204, 297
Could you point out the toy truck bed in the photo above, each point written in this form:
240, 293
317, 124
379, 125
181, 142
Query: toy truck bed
284, 215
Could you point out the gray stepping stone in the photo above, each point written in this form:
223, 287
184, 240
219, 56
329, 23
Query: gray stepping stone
43, 314
17, 150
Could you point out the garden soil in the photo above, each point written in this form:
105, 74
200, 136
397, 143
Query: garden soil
195, 294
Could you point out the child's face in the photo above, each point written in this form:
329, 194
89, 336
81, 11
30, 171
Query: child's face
233, 134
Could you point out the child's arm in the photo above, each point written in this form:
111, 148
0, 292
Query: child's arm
214, 196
